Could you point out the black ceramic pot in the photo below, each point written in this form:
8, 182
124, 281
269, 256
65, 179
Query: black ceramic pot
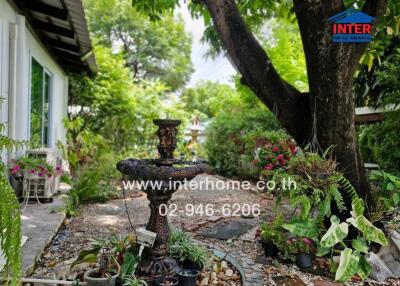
304, 260
270, 249
168, 282
188, 277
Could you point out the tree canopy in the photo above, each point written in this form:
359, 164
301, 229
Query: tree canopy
152, 50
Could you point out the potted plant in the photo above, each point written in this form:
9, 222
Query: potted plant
33, 171
188, 277
271, 237
107, 273
133, 281
168, 282
123, 260
304, 255
190, 255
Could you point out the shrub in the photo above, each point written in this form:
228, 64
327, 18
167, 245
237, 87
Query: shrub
97, 181
231, 138
379, 143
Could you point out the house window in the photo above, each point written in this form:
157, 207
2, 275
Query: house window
40, 105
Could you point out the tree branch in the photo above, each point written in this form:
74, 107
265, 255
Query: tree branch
250, 59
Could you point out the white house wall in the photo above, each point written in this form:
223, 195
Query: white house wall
27, 47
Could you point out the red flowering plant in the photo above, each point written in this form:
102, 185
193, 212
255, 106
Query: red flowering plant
33, 166
274, 156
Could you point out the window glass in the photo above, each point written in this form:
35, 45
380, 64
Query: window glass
36, 103
40, 105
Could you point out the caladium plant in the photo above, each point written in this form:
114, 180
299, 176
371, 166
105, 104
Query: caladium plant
352, 261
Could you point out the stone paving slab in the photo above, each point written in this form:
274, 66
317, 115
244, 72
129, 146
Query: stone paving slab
40, 223
226, 230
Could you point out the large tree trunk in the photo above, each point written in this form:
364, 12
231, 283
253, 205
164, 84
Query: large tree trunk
330, 68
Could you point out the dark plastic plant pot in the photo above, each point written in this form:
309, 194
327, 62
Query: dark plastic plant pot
304, 260
90, 278
189, 264
188, 277
168, 282
270, 249
119, 282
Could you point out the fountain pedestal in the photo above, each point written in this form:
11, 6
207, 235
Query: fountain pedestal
164, 172
156, 263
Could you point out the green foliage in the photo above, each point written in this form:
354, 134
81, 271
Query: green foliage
316, 190
352, 262
183, 249
273, 232
335, 234
158, 50
124, 257
10, 217
286, 52
10, 228
379, 143
388, 189
304, 227
207, 98
229, 137
134, 281
72, 203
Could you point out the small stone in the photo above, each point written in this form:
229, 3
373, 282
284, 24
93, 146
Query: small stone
213, 276
224, 265
228, 272
204, 281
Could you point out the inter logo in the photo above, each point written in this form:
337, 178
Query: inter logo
351, 26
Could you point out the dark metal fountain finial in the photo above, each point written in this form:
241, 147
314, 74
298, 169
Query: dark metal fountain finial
166, 133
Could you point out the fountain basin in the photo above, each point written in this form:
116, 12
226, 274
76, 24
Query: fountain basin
161, 169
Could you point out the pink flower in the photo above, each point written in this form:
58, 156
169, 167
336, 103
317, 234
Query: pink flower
41, 174
268, 167
15, 169
280, 157
307, 241
32, 171
275, 149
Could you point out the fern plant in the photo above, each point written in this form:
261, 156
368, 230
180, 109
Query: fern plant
318, 186
10, 228
10, 219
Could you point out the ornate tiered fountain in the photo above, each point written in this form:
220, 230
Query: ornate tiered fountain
167, 172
